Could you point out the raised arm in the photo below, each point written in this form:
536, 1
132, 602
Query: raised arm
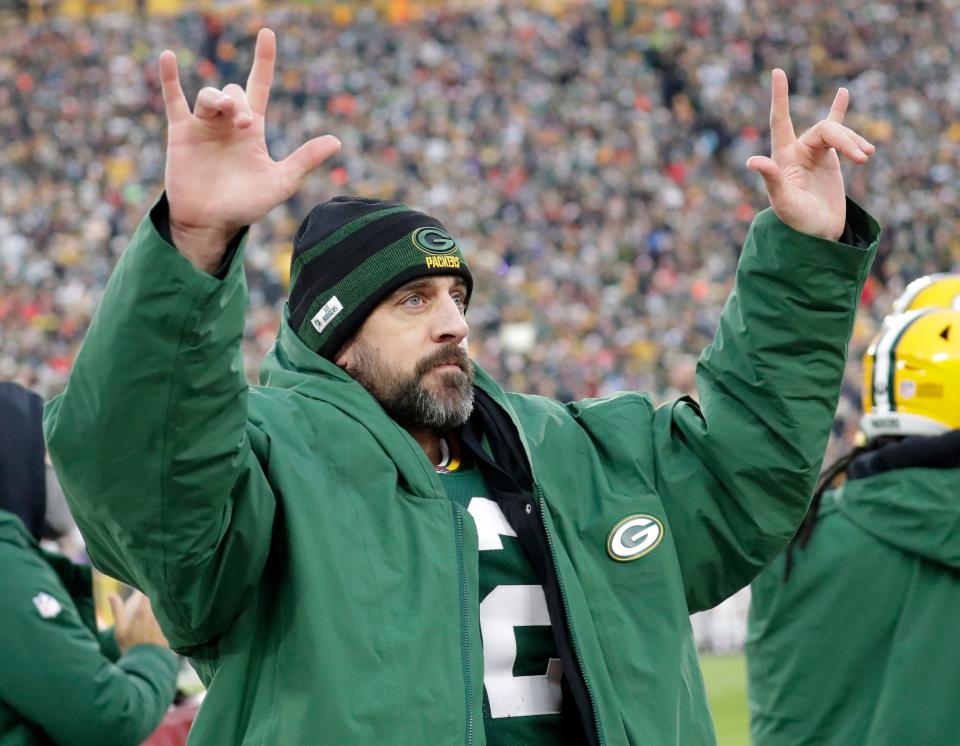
736, 472
150, 438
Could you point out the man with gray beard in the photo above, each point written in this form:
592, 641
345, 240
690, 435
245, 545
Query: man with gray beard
377, 544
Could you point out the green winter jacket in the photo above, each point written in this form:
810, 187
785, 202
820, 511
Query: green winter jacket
860, 647
60, 681
298, 545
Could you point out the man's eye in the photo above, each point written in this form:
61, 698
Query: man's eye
413, 300
459, 298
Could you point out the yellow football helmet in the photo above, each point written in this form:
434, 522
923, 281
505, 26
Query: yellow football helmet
911, 375
941, 290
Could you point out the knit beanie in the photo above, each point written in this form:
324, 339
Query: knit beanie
350, 253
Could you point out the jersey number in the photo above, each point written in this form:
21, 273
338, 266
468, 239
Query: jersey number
505, 608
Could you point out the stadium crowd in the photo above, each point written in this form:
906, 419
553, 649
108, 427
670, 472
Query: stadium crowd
591, 167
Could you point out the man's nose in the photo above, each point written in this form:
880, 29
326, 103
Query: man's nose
449, 323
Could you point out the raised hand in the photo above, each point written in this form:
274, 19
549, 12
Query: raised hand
134, 622
803, 176
219, 175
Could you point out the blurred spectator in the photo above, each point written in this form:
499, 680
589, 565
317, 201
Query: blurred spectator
63, 682
596, 166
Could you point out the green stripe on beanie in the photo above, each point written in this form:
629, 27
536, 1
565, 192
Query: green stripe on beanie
296, 264
350, 253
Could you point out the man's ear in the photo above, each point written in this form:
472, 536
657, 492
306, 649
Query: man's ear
344, 356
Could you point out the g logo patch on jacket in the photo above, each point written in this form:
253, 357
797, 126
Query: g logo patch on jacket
633, 537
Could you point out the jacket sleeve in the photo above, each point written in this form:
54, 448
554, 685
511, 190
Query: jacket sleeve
736, 472
54, 674
108, 645
151, 442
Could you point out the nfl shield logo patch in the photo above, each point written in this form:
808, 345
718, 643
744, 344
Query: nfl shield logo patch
47, 605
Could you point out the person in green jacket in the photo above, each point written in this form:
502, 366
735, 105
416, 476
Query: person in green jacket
379, 545
62, 681
852, 631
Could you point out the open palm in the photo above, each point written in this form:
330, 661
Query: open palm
219, 175
802, 175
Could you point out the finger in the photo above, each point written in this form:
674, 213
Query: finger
781, 128
135, 601
832, 135
242, 116
173, 99
116, 606
865, 145
261, 74
307, 157
839, 108
772, 176
211, 103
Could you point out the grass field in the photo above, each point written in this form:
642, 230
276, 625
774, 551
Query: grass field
726, 680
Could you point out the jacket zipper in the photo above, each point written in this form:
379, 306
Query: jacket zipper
465, 628
566, 612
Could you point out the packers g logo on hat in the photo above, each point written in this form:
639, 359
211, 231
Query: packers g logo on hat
433, 241
439, 247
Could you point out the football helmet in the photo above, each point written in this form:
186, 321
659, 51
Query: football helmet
941, 290
911, 375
